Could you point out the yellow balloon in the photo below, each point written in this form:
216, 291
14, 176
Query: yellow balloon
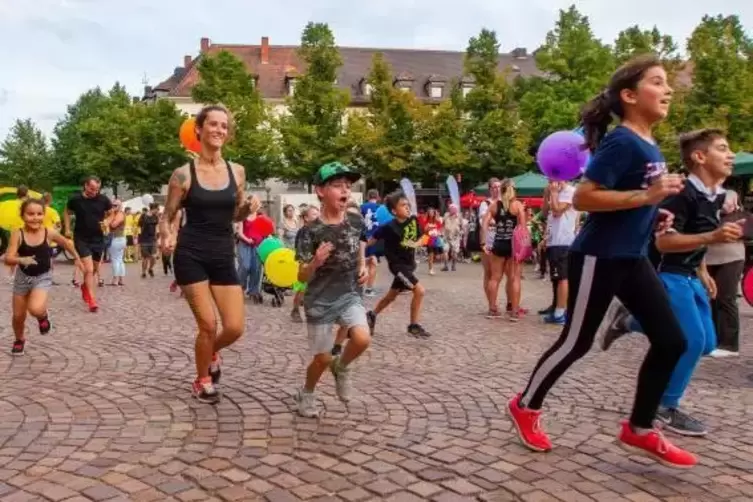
10, 214
281, 268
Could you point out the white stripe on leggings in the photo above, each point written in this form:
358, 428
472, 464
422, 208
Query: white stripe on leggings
573, 333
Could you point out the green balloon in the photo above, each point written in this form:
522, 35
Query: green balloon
267, 246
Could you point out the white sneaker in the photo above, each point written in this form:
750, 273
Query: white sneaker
307, 404
719, 353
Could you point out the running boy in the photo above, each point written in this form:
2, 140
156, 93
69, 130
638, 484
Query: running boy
682, 270
400, 237
29, 252
331, 253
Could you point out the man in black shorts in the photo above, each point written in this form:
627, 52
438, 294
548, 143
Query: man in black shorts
90, 208
400, 237
148, 239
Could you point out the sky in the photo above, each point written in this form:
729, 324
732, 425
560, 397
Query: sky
51, 51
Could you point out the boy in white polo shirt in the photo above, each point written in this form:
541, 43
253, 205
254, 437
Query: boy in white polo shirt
560, 234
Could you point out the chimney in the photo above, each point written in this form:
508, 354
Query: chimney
187, 61
204, 44
264, 50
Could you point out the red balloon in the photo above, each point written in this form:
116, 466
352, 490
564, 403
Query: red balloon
188, 136
263, 226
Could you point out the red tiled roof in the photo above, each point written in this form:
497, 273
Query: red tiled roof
422, 65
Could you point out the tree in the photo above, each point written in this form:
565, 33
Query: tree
311, 130
385, 143
25, 157
225, 80
634, 41
495, 135
721, 54
576, 65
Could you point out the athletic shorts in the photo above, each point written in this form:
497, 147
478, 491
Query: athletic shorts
148, 248
93, 248
322, 336
557, 258
502, 249
191, 267
23, 284
375, 250
405, 278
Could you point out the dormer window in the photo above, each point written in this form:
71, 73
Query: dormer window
467, 83
291, 81
435, 85
365, 87
435, 91
466, 89
404, 81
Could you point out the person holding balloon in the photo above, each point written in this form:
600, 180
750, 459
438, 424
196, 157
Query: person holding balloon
331, 253
401, 238
624, 183
210, 191
507, 214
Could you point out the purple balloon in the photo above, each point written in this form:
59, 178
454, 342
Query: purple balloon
562, 155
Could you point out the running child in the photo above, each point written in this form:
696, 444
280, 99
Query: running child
624, 183
331, 252
696, 224
400, 237
29, 251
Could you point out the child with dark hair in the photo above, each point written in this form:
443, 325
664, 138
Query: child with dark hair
682, 269
624, 183
400, 237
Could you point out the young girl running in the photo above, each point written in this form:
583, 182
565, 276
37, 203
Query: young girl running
625, 181
29, 252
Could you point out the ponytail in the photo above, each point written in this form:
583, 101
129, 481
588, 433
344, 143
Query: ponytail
507, 195
596, 117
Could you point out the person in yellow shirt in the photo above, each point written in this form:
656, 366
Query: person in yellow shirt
130, 232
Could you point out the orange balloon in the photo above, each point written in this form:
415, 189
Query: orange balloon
188, 136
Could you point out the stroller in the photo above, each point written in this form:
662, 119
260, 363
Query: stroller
277, 293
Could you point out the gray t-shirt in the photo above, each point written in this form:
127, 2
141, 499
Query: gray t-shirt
334, 286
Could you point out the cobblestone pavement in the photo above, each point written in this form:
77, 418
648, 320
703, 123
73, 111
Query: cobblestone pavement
100, 410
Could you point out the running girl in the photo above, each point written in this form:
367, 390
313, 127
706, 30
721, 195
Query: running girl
29, 250
623, 185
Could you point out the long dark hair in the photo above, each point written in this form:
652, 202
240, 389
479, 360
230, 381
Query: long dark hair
598, 113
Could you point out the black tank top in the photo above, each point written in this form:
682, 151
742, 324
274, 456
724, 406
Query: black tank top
505, 224
41, 254
208, 217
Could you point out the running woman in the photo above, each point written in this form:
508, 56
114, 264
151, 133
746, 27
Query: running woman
368, 211
507, 213
400, 237
90, 208
210, 190
29, 251
623, 184
682, 269
331, 252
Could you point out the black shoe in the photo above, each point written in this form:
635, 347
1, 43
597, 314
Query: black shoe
681, 423
143, 275
418, 331
44, 325
18, 348
151, 273
371, 318
547, 311
337, 350
614, 325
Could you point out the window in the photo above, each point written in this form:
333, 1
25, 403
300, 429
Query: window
466, 90
291, 86
404, 88
435, 91
367, 89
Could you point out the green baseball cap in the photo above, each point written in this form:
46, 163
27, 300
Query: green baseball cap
334, 170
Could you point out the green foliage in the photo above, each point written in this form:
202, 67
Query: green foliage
225, 80
25, 158
311, 132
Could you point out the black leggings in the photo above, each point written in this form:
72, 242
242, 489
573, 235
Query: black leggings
594, 282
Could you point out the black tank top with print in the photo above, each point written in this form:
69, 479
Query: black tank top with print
41, 254
505, 224
209, 216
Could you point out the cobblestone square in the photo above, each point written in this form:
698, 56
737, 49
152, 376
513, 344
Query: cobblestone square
100, 409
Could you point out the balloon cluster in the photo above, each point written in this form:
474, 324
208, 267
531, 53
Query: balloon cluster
279, 262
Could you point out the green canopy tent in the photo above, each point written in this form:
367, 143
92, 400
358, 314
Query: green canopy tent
743, 164
530, 184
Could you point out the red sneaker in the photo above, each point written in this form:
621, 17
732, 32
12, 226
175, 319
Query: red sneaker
93, 307
85, 293
653, 444
528, 424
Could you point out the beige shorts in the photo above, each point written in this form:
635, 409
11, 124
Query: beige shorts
322, 336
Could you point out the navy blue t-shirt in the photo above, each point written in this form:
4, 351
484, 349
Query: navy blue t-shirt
623, 161
368, 211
